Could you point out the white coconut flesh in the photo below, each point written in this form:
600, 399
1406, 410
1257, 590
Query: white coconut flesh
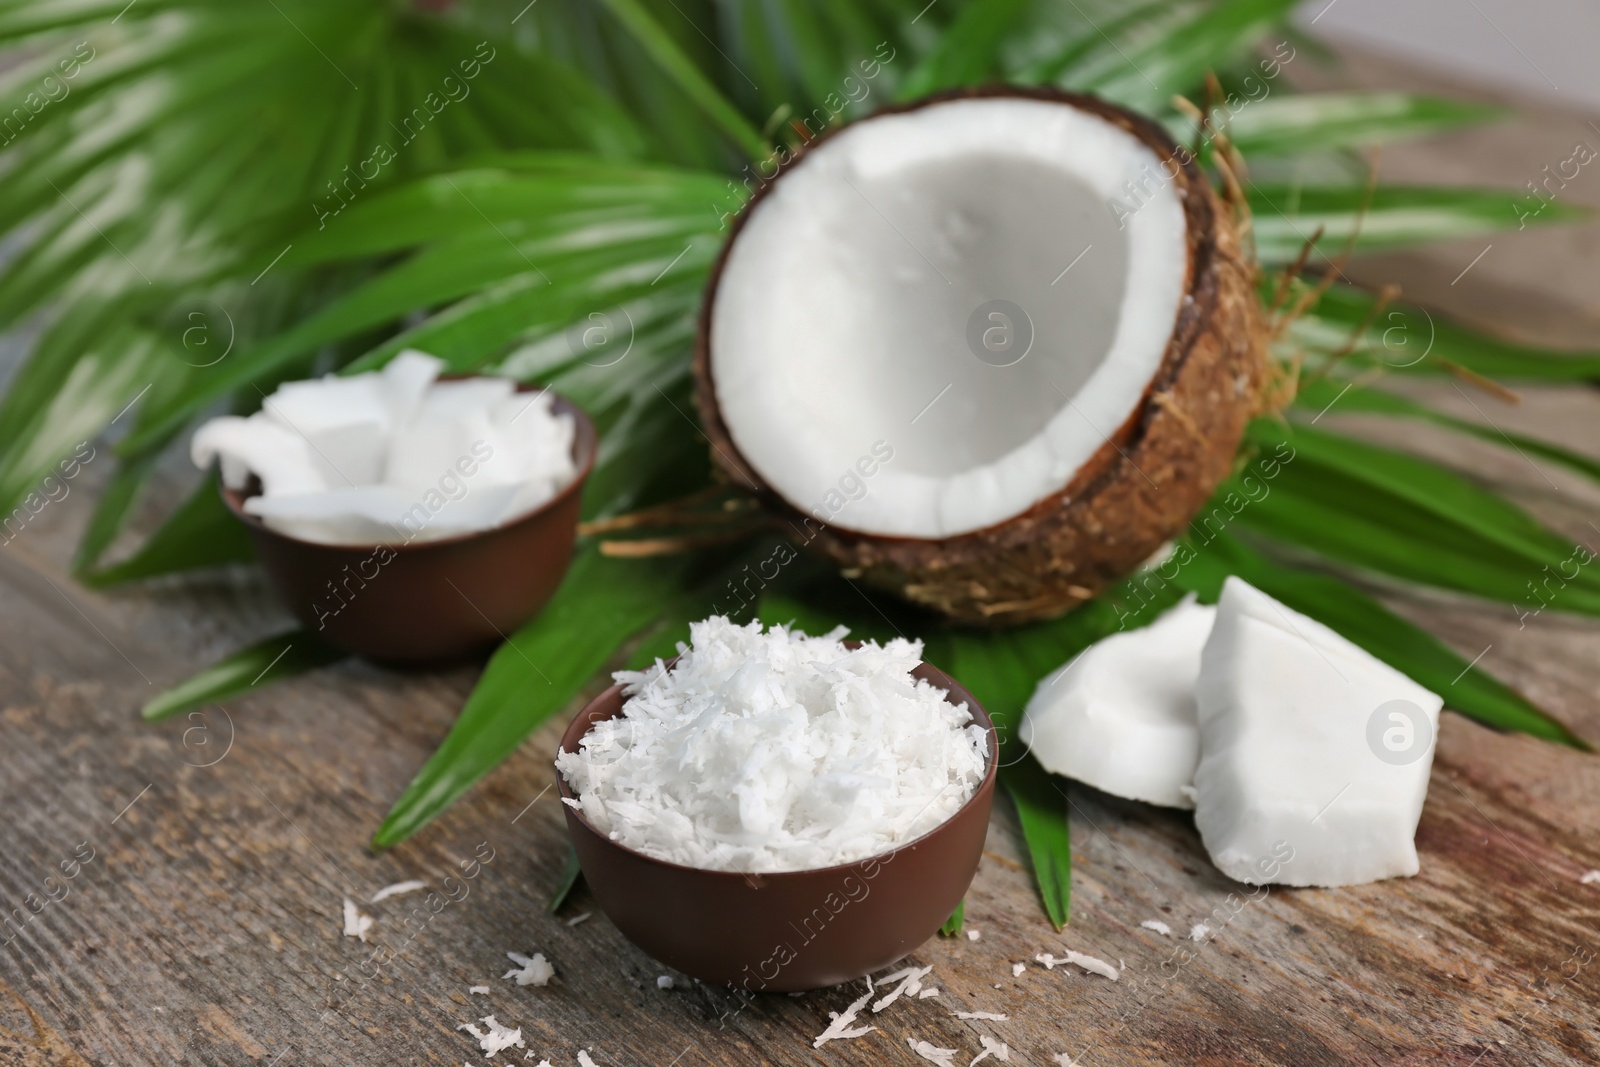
1121, 716
1314, 755
841, 315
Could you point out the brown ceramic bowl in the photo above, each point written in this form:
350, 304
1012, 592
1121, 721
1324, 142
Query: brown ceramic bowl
790, 930
433, 600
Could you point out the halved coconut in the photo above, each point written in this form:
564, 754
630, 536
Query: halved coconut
989, 350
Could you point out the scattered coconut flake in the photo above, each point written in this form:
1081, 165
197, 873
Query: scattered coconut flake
534, 971
496, 1038
926, 993
932, 1053
1158, 926
991, 1047
910, 985
1092, 964
1063, 1060
578, 918
664, 982
1592, 878
979, 1015
1017, 969
973, 935
1088, 963
776, 751
1198, 932
397, 889
481, 989
839, 1028
355, 923
583, 1058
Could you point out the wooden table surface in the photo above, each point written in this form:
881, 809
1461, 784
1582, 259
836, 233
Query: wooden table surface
206, 927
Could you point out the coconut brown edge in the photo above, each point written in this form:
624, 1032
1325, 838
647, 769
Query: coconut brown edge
1138, 490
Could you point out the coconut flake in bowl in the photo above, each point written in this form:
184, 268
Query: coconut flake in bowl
764, 751
393, 456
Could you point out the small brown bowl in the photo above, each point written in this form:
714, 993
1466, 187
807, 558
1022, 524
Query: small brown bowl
790, 930
432, 600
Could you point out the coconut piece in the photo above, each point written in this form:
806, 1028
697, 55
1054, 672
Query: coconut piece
355, 923
991, 1016
1017, 969
534, 970
664, 981
991, 1047
398, 889
278, 456
496, 1038
479, 990
406, 379
1158, 926
1199, 932
910, 980
944, 1057
999, 486
1121, 716
345, 420
1590, 878
839, 1028
1298, 782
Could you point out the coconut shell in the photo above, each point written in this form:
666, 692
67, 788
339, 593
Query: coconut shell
1137, 492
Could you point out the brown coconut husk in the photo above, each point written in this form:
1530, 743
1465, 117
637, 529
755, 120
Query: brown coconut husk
1141, 487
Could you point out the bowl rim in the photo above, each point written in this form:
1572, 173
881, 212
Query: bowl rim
585, 446
986, 785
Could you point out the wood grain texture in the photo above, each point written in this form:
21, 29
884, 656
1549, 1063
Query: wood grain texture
206, 928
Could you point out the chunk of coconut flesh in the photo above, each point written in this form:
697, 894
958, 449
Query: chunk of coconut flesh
1121, 716
1289, 789
842, 311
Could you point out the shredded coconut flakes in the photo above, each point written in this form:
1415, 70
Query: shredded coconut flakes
534, 971
1590, 878
355, 923
496, 1038
910, 985
991, 1047
578, 918
1092, 964
973, 935
397, 889
772, 750
839, 1028
1017, 969
583, 1058
979, 1015
926, 993
664, 982
1158, 926
932, 1053
1198, 932
481, 989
